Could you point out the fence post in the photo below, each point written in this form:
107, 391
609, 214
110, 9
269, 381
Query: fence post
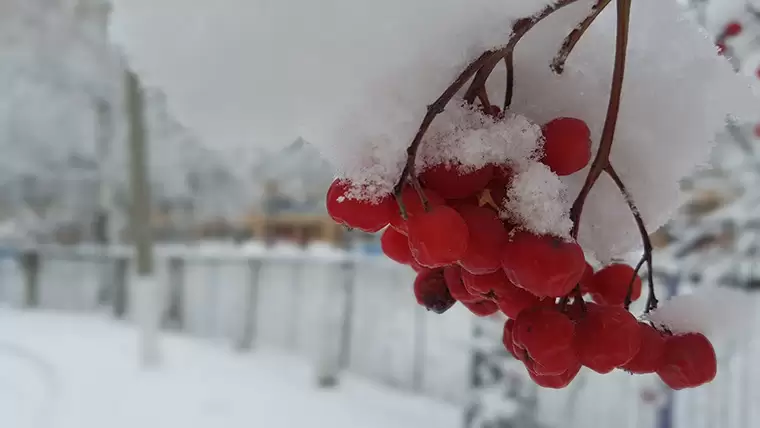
174, 313
251, 305
30, 264
335, 355
665, 417
348, 269
120, 289
502, 393
418, 358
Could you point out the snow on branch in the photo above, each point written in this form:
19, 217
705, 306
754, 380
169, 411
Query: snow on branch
355, 78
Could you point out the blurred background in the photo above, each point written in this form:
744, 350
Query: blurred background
261, 310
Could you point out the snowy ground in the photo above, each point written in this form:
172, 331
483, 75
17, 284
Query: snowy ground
64, 371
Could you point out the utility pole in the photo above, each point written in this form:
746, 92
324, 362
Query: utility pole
145, 284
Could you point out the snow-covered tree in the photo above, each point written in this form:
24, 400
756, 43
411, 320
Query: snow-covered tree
59, 71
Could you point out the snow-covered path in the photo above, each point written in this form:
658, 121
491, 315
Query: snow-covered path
63, 371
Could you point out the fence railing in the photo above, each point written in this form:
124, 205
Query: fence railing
358, 314
344, 312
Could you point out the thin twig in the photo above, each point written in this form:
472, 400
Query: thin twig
434, 110
483, 97
479, 82
647, 242
509, 62
519, 29
629, 295
483, 66
579, 297
558, 64
602, 158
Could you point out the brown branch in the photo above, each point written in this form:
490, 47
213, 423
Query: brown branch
509, 62
558, 64
629, 295
434, 110
483, 97
647, 256
602, 159
481, 68
519, 29
479, 82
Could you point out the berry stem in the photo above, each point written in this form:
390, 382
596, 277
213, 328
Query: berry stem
629, 296
579, 297
421, 193
647, 256
602, 159
520, 28
401, 206
483, 97
481, 68
434, 110
509, 62
558, 64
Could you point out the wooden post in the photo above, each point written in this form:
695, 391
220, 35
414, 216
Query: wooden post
248, 336
175, 316
102, 224
30, 264
120, 295
145, 282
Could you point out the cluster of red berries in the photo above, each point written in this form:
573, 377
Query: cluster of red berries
450, 231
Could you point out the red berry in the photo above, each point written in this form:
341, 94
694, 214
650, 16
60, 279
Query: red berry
364, 215
489, 284
556, 381
610, 285
431, 291
453, 276
650, 358
451, 183
439, 237
732, 29
721, 48
757, 130
544, 265
757, 72
482, 308
395, 245
512, 300
689, 361
506, 339
503, 174
547, 336
473, 200
487, 235
586, 279
413, 204
498, 186
416, 266
606, 337
567, 145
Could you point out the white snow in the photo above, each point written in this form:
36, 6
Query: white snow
537, 200
724, 314
357, 81
63, 371
468, 138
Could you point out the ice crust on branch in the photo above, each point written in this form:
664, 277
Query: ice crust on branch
355, 77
